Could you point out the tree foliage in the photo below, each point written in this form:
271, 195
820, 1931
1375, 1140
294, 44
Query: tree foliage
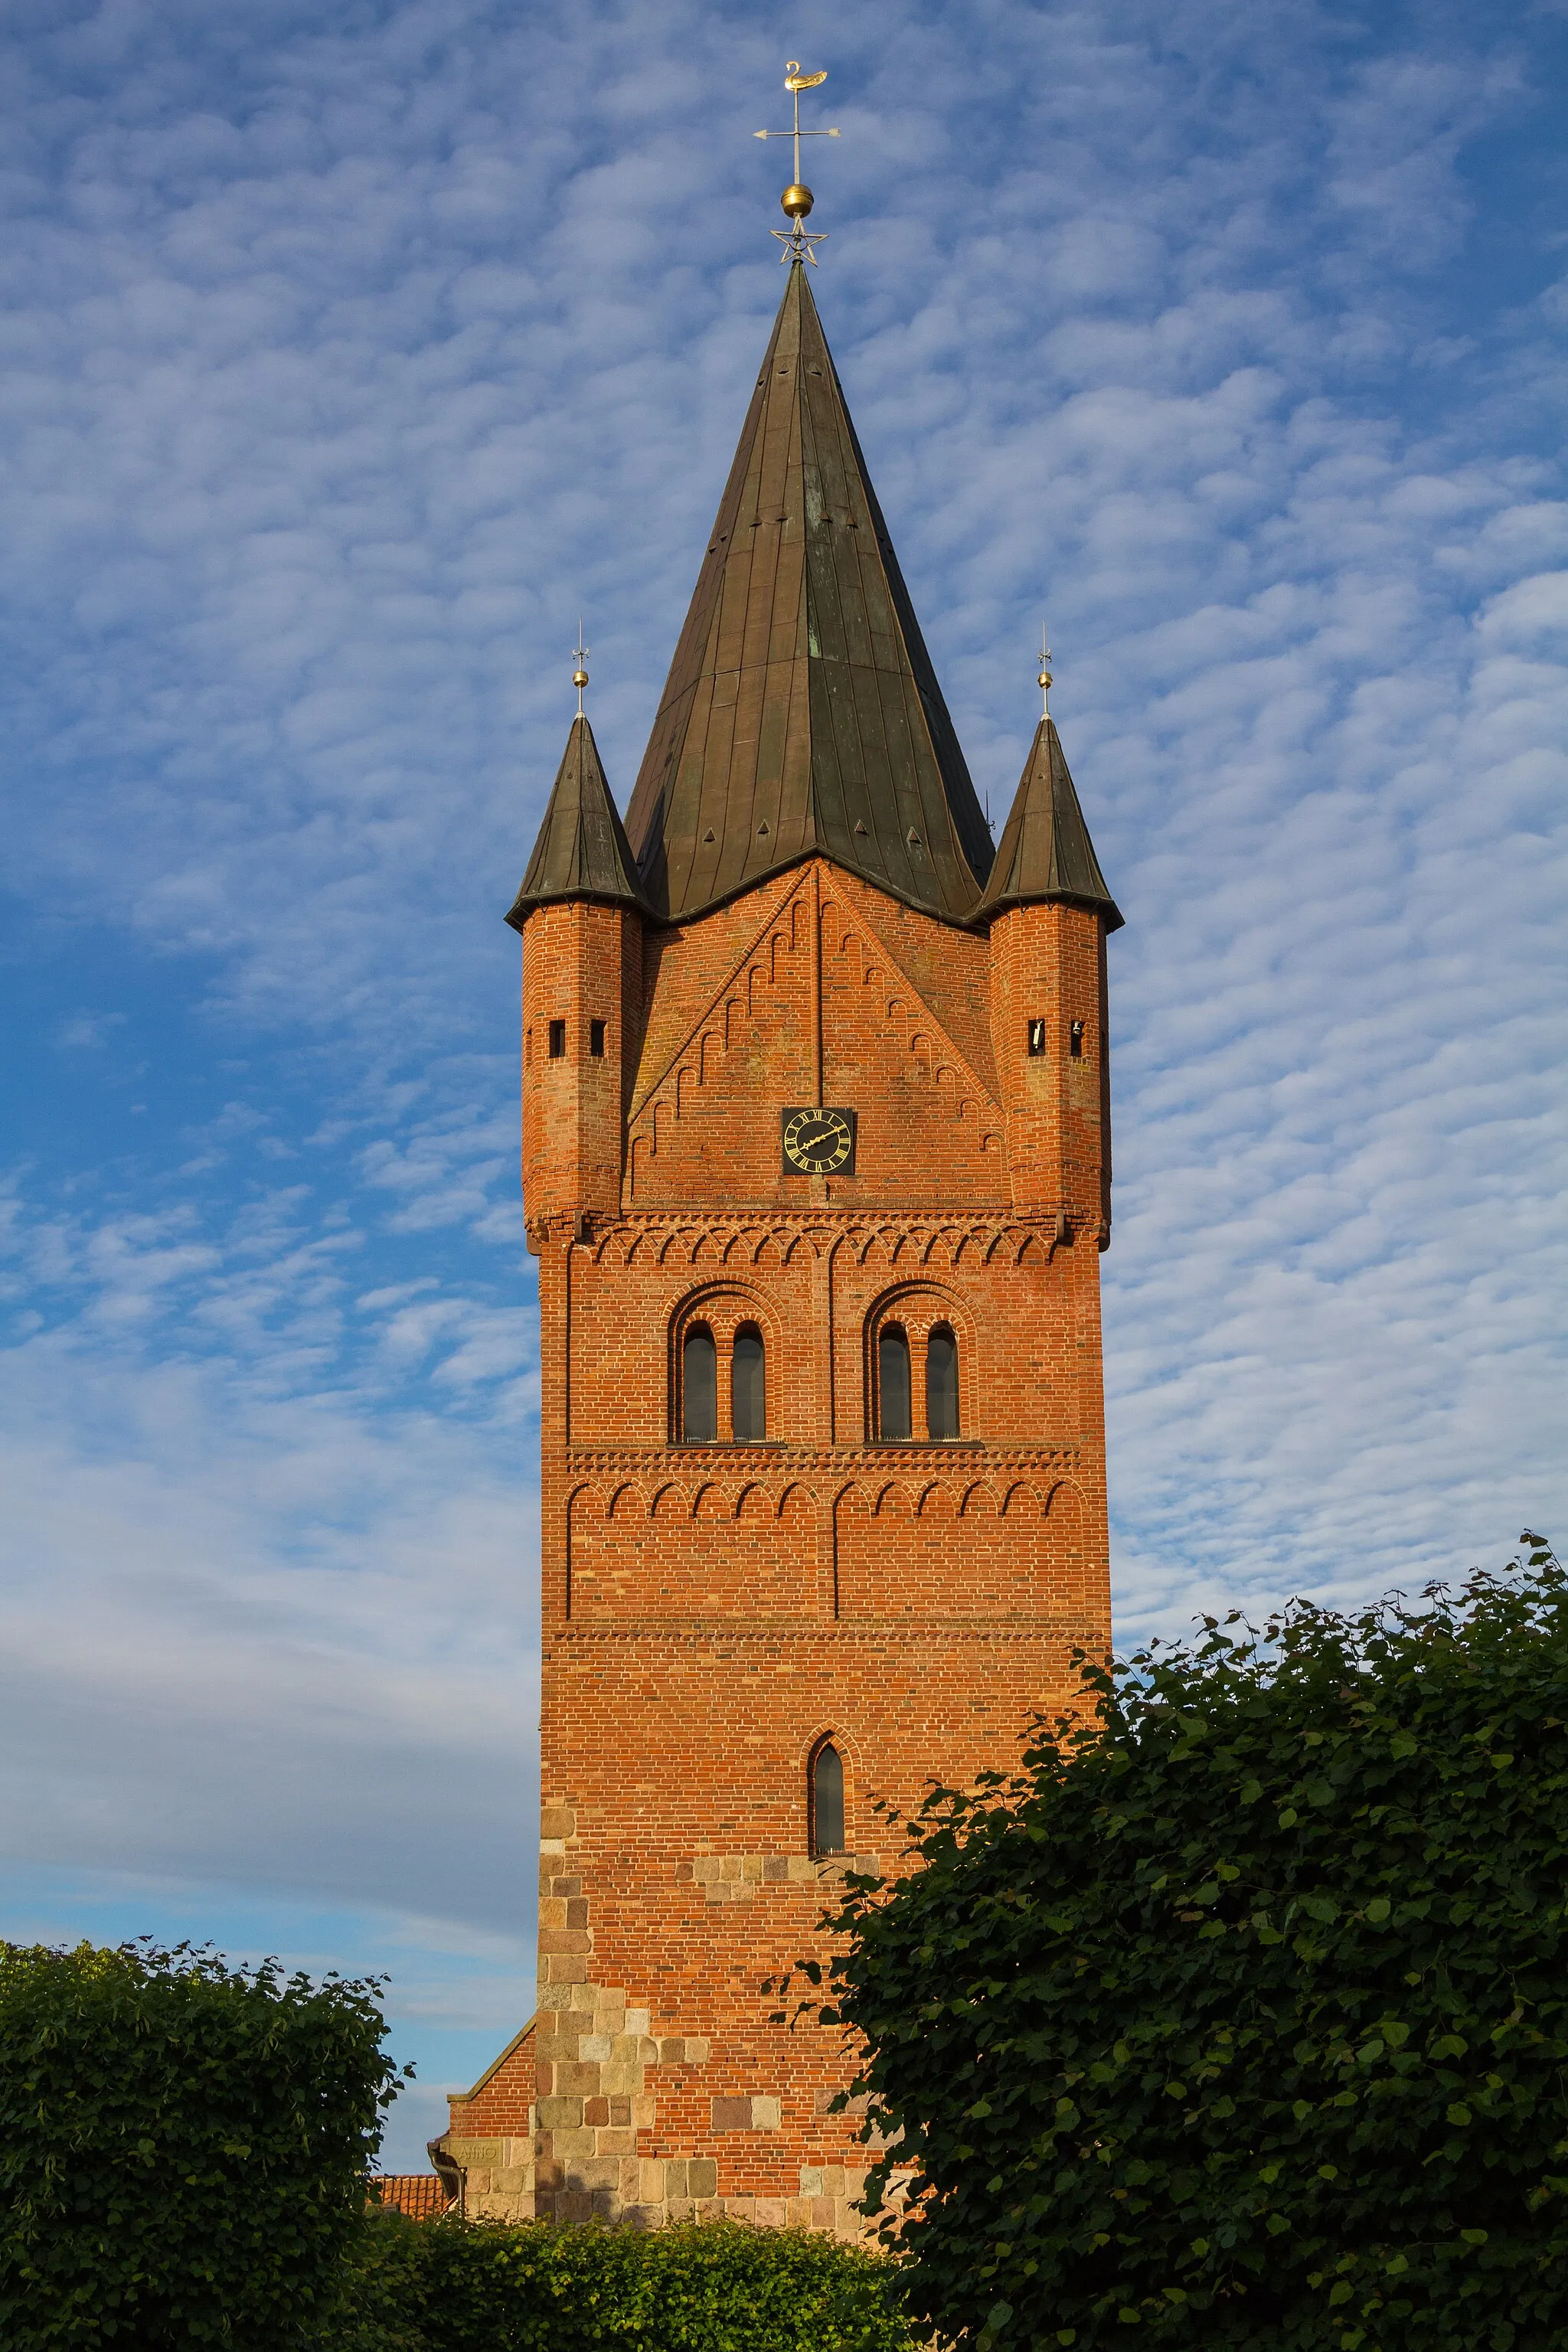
1240, 2017
712, 2287
182, 2146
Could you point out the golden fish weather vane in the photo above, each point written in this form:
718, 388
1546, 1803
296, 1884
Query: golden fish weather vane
797, 198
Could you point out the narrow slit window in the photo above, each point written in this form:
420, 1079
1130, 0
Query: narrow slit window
748, 1384
558, 1041
596, 1040
1075, 1041
892, 1384
942, 1383
1036, 1037
698, 1387
826, 1794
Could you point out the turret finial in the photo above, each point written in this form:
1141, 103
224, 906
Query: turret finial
797, 198
580, 655
1045, 678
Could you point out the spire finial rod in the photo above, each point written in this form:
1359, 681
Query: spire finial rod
1045, 678
797, 198
580, 655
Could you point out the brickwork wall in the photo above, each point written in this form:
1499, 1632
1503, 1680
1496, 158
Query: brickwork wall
490, 2137
711, 1611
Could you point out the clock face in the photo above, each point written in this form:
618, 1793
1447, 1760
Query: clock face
819, 1142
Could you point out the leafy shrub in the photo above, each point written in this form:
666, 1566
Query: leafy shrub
712, 2286
182, 2146
1240, 2017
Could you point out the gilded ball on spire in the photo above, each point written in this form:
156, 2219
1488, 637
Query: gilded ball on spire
798, 201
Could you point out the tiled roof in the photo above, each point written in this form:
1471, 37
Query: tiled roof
418, 2194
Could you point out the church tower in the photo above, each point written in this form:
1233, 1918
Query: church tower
816, 1166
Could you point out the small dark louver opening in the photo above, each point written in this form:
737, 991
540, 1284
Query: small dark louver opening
942, 1384
827, 1800
748, 1397
557, 1041
698, 1387
1037, 1036
892, 1385
596, 1040
1075, 1041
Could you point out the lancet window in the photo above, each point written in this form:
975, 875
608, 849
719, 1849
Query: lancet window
748, 1385
699, 1386
942, 1382
825, 1790
893, 1384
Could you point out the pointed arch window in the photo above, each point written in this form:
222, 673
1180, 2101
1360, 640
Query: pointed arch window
825, 1794
698, 1387
942, 1383
748, 1385
892, 1383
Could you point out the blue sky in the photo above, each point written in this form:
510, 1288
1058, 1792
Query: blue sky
350, 350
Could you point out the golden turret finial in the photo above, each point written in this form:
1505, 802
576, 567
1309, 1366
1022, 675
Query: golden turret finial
797, 199
1045, 678
580, 655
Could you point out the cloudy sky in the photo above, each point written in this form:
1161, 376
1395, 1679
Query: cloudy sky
350, 350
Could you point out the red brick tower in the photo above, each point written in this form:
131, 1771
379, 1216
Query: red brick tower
816, 1165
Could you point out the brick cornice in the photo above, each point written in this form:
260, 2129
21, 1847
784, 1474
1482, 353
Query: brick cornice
968, 1456
776, 1631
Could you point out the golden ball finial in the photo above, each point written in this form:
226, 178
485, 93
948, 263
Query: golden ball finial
796, 201
579, 679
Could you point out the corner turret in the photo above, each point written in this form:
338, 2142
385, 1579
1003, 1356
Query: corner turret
1049, 913
580, 913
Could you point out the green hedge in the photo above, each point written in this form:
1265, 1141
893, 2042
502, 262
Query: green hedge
1240, 2019
182, 2147
713, 2286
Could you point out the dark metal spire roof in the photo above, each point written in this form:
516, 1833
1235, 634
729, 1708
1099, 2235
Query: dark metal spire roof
582, 850
1045, 850
802, 711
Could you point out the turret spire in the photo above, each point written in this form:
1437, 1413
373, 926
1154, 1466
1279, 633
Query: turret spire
1045, 851
582, 850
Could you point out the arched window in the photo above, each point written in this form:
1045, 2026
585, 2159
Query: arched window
827, 1792
892, 1383
748, 1385
698, 1387
942, 1383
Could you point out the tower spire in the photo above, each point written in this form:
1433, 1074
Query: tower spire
802, 712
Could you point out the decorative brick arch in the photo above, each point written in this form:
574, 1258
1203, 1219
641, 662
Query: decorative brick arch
724, 1308
917, 1306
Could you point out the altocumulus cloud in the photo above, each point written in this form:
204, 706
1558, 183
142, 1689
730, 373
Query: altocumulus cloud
349, 353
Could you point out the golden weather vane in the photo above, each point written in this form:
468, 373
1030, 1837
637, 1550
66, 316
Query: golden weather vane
1045, 678
797, 199
580, 655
